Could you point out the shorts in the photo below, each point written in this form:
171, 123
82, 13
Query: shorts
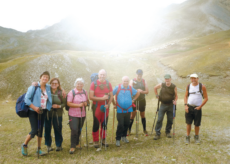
142, 105
193, 114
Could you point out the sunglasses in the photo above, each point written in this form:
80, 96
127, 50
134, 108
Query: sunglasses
54, 83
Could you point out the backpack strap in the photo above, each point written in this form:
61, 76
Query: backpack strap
59, 93
107, 84
95, 84
188, 89
143, 81
200, 89
73, 94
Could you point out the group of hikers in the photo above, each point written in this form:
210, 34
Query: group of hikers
46, 103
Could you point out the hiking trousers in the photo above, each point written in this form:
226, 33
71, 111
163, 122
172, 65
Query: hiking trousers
56, 122
99, 120
76, 128
168, 109
123, 125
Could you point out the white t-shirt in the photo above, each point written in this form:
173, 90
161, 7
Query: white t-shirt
195, 97
44, 98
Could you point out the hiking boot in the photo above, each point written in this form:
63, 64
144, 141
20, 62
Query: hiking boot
124, 139
72, 150
58, 148
78, 147
96, 144
24, 150
105, 144
118, 143
197, 140
168, 135
41, 153
156, 137
145, 133
187, 140
49, 148
128, 132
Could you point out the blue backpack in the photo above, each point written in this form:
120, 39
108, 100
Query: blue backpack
21, 108
94, 78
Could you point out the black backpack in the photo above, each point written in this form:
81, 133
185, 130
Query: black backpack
200, 90
66, 106
167, 94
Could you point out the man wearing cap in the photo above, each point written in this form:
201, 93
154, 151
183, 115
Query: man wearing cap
124, 93
193, 104
141, 86
168, 97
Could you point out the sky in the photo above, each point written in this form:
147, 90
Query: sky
24, 15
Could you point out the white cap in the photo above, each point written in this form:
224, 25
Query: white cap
194, 75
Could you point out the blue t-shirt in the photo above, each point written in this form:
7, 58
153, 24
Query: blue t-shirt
124, 99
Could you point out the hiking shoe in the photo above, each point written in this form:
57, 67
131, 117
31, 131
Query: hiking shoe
41, 153
156, 137
145, 133
78, 147
124, 139
24, 150
58, 148
118, 143
187, 140
105, 144
168, 135
197, 140
96, 144
49, 148
72, 150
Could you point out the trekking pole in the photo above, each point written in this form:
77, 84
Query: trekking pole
136, 120
113, 124
138, 113
105, 125
155, 116
174, 115
80, 130
39, 128
86, 127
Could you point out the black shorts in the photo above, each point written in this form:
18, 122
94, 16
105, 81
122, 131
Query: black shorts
142, 105
193, 114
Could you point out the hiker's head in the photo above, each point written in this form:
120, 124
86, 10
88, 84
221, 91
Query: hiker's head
125, 81
194, 79
102, 75
45, 77
167, 78
139, 73
79, 83
55, 83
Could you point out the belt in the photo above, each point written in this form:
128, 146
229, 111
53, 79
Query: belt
192, 105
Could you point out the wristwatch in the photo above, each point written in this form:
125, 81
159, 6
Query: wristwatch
157, 96
185, 104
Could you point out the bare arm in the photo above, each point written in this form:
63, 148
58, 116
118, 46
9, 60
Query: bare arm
146, 91
94, 98
131, 83
205, 97
73, 105
176, 96
186, 100
136, 96
158, 86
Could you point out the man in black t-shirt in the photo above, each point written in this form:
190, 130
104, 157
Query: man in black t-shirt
168, 97
141, 86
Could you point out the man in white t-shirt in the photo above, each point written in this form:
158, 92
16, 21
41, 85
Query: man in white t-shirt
193, 104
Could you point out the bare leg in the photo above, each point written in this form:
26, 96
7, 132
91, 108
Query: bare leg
142, 114
28, 138
133, 114
197, 128
188, 129
39, 141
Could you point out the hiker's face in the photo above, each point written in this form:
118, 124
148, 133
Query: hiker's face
102, 76
125, 82
139, 77
79, 85
168, 81
54, 84
194, 80
44, 79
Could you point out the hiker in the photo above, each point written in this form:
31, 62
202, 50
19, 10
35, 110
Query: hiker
124, 93
54, 116
101, 92
141, 86
168, 97
42, 101
193, 106
77, 100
